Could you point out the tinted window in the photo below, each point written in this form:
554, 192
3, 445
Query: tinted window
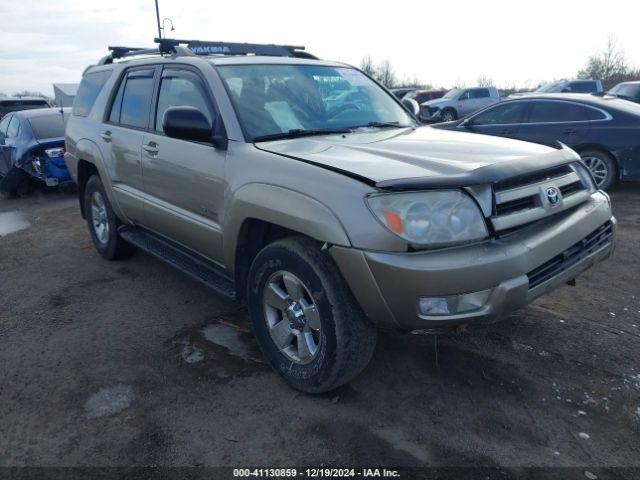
7, 106
544, 112
48, 126
464, 96
88, 91
479, 93
14, 127
114, 116
180, 91
583, 87
4, 124
136, 99
501, 115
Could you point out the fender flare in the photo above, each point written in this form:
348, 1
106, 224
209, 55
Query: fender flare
283, 207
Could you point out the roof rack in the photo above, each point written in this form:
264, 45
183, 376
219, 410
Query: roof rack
182, 48
200, 47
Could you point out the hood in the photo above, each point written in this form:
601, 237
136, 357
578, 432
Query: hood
406, 158
437, 102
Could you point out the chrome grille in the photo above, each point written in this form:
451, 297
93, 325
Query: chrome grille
571, 256
521, 200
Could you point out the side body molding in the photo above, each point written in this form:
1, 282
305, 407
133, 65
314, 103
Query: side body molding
280, 206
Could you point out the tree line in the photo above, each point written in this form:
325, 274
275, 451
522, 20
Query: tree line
610, 65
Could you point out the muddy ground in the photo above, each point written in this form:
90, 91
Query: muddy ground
132, 363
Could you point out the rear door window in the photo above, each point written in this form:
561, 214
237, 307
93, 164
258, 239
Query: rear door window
505, 114
133, 102
557, 112
479, 93
89, 89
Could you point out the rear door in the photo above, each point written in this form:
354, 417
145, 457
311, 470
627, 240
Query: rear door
502, 120
122, 135
552, 121
184, 180
480, 98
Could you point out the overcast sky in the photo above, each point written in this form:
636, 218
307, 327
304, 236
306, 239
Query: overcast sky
442, 43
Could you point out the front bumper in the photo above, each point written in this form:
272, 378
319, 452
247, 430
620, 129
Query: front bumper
388, 285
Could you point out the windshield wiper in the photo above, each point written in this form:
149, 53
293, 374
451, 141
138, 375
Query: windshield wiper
298, 132
382, 125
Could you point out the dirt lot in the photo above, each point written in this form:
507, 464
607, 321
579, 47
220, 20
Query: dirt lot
132, 363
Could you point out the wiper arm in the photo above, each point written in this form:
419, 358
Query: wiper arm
298, 132
383, 125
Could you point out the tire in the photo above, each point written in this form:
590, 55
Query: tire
332, 329
103, 223
448, 115
16, 182
602, 166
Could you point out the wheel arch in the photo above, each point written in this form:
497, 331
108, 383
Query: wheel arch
261, 214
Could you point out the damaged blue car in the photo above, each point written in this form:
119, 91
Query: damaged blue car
32, 150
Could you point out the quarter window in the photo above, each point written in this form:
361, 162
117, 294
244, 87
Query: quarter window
4, 124
504, 114
557, 112
88, 91
583, 87
180, 91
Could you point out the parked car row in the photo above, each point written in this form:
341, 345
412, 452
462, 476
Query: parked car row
8, 105
605, 131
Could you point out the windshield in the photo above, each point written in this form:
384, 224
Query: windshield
282, 100
628, 90
452, 93
48, 126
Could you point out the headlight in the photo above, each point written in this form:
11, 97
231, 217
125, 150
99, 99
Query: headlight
586, 177
434, 218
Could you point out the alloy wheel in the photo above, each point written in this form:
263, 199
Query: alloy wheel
598, 168
292, 317
99, 217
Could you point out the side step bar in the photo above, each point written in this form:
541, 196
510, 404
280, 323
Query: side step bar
190, 263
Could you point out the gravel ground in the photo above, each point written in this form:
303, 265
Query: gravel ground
132, 363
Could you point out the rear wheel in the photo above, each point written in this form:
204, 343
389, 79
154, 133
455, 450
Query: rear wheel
15, 183
103, 223
602, 167
310, 328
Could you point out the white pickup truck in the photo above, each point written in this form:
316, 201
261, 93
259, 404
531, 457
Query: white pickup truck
458, 103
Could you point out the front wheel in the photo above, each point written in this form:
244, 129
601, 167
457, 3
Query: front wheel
103, 222
449, 115
307, 322
602, 167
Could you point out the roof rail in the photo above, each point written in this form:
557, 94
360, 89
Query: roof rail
200, 47
123, 52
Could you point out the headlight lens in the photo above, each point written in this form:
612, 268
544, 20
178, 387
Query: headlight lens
586, 177
434, 218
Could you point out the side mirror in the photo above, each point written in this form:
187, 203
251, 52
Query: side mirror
189, 123
467, 123
411, 105
566, 90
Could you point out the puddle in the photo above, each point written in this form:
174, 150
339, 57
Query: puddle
229, 337
109, 401
11, 222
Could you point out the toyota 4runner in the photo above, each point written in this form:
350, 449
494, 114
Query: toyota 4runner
305, 189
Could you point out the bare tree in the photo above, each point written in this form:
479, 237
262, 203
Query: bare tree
368, 67
386, 75
610, 66
485, 81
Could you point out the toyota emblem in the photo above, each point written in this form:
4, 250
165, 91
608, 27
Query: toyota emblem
553, 196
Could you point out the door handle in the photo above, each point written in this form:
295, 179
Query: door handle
569, 131
151, 148
106, 136
505, 132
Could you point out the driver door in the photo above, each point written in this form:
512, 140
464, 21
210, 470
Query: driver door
502, 120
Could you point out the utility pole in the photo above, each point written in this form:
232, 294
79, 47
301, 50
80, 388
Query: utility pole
158, 20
